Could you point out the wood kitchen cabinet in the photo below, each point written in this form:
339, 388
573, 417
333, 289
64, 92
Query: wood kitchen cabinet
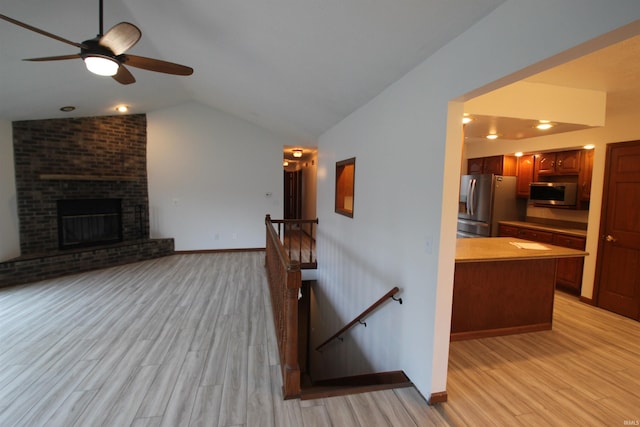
569, 270
535, 235
584, 177
524, 175
475, 166
507, 230
559, 163
498, 165
568, 162
571, 166
499, 289
546, 164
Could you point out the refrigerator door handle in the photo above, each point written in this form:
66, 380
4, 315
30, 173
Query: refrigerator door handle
468, 201
472, 197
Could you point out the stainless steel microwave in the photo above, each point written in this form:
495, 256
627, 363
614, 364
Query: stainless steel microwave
553, 193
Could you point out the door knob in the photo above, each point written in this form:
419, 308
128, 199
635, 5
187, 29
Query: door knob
610, 238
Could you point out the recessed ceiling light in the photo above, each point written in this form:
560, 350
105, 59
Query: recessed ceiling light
466, 119
589, 147
544, 124
67, 108
518, 154
492, 136
297, 153
122, 108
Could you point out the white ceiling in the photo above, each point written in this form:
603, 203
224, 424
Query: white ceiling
294, 66
614, 70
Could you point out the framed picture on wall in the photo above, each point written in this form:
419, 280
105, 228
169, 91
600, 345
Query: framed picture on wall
345, 178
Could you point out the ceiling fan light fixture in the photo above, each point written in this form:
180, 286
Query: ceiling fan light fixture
101, 65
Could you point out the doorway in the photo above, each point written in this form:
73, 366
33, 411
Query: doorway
300, 166
293, 194
618, 261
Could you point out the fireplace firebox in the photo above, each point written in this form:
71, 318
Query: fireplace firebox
89, 222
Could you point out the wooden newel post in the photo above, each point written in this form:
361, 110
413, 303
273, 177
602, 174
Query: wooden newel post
267, 223
291, 386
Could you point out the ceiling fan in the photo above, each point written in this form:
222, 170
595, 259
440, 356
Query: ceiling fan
105, 54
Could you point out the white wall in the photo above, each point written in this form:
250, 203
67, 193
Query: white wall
209, 175
309, 187
407, 174
9, 227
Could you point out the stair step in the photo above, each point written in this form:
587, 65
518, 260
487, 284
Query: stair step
355, 384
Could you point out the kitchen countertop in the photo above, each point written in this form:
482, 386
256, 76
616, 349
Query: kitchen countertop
543, 227
483, 249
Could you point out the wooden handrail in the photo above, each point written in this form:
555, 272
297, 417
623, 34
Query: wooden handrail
285, 279
362, 315
282, 254
294, 221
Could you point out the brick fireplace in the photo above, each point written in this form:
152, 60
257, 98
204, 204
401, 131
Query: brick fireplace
87, 161
89, 222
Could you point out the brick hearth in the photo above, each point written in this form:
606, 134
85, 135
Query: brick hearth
79, 158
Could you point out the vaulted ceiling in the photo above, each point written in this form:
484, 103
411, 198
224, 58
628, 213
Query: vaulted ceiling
293, 66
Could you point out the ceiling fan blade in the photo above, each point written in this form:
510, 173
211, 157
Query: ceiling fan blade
121, 37
43, 32
157, 65
124, 76
54, 58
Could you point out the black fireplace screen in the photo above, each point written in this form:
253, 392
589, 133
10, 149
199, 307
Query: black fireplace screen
89, 222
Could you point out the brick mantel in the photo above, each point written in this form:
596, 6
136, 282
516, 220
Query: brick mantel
89, 157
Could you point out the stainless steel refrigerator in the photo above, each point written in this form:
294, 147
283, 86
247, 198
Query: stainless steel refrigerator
485, 200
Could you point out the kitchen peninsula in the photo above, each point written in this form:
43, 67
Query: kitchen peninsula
504, 285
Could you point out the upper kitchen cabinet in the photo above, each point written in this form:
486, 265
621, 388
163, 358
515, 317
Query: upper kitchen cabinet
525, 175
559, 163
567, 166
475, 166
584, 177
497, 165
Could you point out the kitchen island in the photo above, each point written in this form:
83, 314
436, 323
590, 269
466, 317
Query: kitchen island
504, 285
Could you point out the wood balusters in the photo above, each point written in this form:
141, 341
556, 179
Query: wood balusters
298, 239
285, 280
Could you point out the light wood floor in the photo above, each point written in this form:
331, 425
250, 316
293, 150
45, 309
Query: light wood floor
188, 340
299, 246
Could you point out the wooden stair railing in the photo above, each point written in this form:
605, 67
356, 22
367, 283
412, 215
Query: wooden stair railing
298, 238
285, 280
362, 315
